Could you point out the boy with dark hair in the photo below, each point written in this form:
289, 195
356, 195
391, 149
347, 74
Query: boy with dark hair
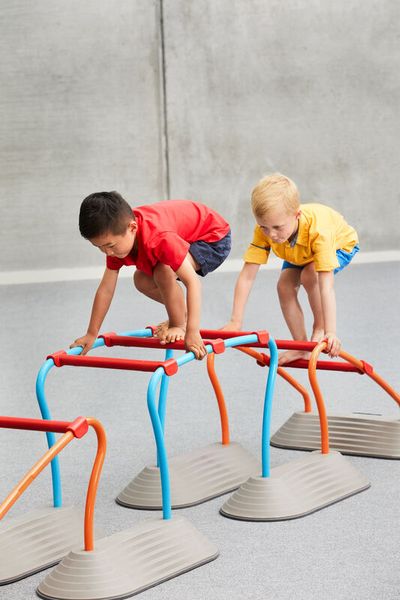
165, 241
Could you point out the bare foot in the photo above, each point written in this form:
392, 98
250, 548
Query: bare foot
161, 329
172, 334
291, 355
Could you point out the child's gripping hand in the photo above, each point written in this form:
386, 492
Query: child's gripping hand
86, 341
195, 344
333, 344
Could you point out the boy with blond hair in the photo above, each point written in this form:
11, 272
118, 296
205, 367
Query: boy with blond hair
314, 241
165, 241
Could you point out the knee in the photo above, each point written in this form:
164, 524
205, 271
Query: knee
163, 274
286, 289
309, 279
140, 280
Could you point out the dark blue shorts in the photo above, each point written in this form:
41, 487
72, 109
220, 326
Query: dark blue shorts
210, 255
343, 257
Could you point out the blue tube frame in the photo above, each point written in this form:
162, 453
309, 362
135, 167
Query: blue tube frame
45, 412
157, 423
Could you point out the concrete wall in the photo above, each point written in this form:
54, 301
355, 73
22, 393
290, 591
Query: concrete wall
310, 88
80, 112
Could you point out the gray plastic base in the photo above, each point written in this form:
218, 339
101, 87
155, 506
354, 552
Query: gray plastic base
357, 434
195, 477
129, 562
37, 540
296, 489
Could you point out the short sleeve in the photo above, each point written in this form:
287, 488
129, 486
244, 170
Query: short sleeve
170, 249
324, 252
258, 250
113, 263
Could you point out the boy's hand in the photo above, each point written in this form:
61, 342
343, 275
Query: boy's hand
333, 344
232, 326
86, 341
195, 344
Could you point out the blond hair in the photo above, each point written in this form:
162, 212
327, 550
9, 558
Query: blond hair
274, 192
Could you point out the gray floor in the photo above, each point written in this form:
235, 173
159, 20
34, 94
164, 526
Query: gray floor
347, 551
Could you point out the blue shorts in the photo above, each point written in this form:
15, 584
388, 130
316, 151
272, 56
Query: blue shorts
343, 257
210, 255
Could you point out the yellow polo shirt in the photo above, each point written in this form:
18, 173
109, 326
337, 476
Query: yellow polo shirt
321, 232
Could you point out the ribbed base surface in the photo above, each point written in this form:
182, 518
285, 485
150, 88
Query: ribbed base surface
129, 562
296, 489
360, 435
195, 477
37, 540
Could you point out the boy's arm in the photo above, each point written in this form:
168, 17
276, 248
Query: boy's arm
328, 301
101, 304
191, 281
243, 287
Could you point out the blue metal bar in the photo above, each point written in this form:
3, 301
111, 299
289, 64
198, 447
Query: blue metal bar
269, 394
162, 399
159, 437
45, 412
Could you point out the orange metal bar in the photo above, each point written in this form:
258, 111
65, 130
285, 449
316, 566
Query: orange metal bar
223, 413
371, 373
264, 359
312, 373
31, 475
94, 482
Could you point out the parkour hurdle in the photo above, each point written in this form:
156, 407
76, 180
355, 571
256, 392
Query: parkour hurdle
357, 434
129, 562
301, 486
41, 538
196, 476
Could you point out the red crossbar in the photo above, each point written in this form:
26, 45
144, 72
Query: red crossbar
78, 427
323, 365
112, 339
62, 358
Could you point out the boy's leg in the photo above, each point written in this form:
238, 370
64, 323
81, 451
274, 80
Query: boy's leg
288, 288
309, 280
164, 288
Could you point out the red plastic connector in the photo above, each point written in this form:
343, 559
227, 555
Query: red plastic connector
56, 357
79, 427
217, 345
152, 329
368, 369
170, 366
107, 338
263, 337
264, 362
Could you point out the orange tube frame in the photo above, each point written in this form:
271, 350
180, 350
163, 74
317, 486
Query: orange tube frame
223, 413
38, 467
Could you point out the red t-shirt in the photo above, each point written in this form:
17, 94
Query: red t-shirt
165, 231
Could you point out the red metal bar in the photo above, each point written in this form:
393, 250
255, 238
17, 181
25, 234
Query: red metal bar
62, 358
324, 365
78, 427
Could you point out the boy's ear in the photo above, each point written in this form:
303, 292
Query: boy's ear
298, 214
132, 226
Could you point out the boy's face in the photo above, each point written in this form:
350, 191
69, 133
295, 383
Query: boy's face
279, 225
117, 245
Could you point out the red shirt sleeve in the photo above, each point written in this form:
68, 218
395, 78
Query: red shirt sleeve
114, 263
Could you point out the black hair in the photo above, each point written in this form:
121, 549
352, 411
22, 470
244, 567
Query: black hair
104, 212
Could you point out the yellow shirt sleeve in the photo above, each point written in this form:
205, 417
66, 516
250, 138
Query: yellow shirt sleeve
258, 251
